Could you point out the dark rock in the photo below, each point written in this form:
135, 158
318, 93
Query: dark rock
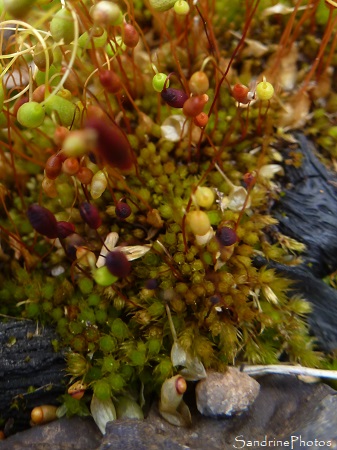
307, 212
64, 434
284, 408
307, 209
27, 359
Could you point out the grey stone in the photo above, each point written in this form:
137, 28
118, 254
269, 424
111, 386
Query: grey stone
285, 409
226, 394
65, 434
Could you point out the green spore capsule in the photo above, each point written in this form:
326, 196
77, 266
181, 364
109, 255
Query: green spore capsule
85, 40
104, 277
264, 90
31, 115
181, 7
162, 5
62, 26
158, 81
18, 8
106, 13
40, 58
64, 110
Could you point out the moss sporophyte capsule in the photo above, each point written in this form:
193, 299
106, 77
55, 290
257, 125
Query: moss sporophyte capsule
174, 97
181, 7
43, 221
31, 114
264, 90
158, 81
117, 263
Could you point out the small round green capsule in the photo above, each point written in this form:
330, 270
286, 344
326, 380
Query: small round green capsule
264, 90
158, 81
18, 8
62, 26
106, 13
181, 7
104, 277
204, 197
31, 114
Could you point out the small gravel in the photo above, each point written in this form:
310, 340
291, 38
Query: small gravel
226, 394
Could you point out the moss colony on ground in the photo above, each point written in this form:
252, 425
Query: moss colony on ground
139, 160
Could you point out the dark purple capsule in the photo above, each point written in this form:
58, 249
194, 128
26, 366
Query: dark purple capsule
64, 229
42, 220
215, 299
112, 147
71, 244
118, 264
174, 97
151, 284
90, 215
123, 210
226, 236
